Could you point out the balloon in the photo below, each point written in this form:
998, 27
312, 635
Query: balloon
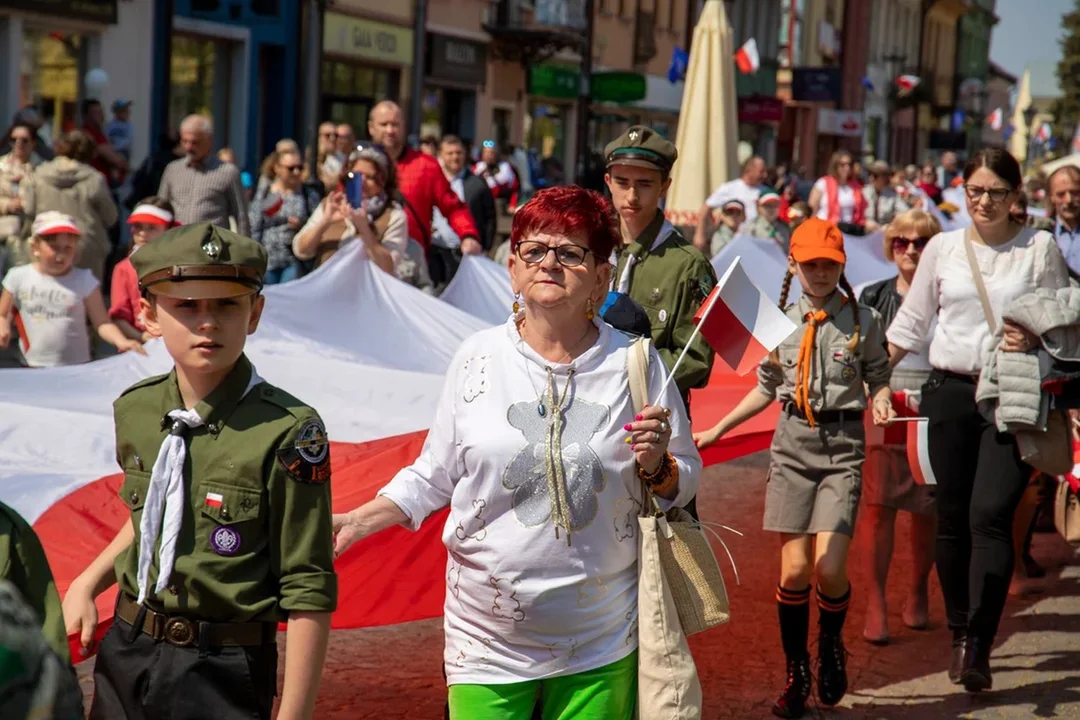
96, 81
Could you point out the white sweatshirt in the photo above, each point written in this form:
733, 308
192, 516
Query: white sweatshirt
521, 602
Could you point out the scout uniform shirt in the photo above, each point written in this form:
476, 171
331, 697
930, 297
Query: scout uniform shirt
670, 279
255, 539
838, 373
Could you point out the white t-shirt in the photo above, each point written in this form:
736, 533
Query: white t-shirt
53, 311
845, 196
521, 602
943, 288
736, 190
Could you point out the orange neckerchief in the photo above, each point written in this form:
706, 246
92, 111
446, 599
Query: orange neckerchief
803, 370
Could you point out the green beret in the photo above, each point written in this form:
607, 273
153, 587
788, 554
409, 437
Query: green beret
200, 261
641, 146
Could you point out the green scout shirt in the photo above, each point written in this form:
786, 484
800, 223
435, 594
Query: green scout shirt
671, 282
23, 563
266, 455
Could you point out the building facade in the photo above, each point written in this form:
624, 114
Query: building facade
938, 129
973, 69
760, 111
47, 48
893, 47
1000, 91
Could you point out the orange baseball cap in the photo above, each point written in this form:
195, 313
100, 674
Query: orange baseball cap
817, 239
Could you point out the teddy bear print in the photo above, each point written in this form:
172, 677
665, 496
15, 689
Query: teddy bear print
473, 527
475, 652
476, 379
591, 592
632, 618
564, 652
626, 518
526, 473
453, 574
506, 604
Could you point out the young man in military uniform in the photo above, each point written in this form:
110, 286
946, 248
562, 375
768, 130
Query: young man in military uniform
656, 266
227, 480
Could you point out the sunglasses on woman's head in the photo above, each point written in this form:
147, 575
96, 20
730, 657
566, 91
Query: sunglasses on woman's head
901, 244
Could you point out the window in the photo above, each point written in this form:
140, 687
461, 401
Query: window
194, 71
52, 64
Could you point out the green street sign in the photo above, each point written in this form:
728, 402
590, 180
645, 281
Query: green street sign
554, 82
618, 87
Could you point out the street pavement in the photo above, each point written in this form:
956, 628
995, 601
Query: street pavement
395, 672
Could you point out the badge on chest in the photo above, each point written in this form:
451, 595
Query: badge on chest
846, 361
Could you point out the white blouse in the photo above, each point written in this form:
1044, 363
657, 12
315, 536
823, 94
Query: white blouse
944, 289
523, 600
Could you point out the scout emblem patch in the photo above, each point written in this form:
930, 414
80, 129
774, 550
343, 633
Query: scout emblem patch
308, 460
662, 316
633, 135
847, 373
225, 540
212, 248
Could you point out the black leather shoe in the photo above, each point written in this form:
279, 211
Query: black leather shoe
956, 665
832, 669
976, 675
792, 703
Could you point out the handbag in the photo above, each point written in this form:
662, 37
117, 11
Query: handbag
680, 590
1066, 504
1048, 451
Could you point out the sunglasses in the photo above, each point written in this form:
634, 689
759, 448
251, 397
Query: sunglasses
489, 143
901, 244
292, 168
570, 255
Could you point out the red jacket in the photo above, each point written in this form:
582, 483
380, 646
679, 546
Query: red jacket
422, 183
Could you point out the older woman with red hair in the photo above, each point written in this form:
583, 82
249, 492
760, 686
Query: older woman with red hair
536, 448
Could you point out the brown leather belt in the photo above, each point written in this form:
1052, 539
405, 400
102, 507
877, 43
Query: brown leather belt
183, 632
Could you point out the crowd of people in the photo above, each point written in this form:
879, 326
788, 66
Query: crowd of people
550, 454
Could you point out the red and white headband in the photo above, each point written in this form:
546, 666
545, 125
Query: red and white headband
151, 215
54, 223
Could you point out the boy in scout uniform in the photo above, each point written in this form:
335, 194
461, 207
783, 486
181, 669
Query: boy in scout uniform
228, 482
656, 266
822, 375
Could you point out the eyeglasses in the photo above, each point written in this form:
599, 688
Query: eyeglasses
328, 135
489, 143
20, 140
569, 255
292, 168
996, 195
901, 244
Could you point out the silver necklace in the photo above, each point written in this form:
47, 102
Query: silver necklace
541, 408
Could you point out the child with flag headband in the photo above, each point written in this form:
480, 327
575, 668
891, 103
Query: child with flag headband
227, 479
818, 374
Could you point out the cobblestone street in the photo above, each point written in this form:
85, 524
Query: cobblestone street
395, 672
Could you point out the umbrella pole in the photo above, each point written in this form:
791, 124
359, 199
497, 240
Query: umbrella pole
585, 98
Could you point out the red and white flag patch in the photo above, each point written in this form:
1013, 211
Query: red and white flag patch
214, 499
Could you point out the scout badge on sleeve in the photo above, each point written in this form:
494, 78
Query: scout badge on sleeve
308, 460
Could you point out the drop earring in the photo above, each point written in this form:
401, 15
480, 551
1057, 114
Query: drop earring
516, 307
589, 314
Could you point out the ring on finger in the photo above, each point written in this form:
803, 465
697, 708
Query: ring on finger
664, 427
657, 437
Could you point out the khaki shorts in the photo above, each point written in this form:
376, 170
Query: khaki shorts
815, 477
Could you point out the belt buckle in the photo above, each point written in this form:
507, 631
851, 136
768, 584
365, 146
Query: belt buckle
180, 632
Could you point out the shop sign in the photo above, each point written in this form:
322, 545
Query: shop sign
103, 11
618, 87
457, 60
821, 84
847, 123
354, 37
760, 109
553, 81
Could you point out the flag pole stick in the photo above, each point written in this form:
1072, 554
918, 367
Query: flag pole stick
697, 328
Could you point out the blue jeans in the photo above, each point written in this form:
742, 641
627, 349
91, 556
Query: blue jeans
282, 275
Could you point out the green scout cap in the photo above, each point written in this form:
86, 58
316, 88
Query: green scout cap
200, 261
641, 146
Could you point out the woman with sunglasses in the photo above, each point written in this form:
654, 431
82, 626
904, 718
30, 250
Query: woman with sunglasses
537, 449
16, 193
980, 476
277, 216
888, 485
838, 196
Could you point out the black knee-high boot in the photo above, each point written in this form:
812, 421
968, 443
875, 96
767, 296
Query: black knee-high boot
793, 608
832, 656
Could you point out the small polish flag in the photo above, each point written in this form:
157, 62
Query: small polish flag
740, 322
214, 499
995, 119
907, 83
1044, 133
747, 58
1073, 478
918, 452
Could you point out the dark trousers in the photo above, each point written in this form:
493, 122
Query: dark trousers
980, 482
136, 678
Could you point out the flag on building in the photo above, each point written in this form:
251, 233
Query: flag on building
740, 322
747, 58
996, 119
866, 83
907, 84
680, 60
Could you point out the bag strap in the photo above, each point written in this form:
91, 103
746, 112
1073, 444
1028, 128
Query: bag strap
638, 370
980, 284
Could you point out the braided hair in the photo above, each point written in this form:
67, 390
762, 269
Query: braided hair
785, 289
853, 346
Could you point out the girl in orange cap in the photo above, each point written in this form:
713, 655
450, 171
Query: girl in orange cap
819, 376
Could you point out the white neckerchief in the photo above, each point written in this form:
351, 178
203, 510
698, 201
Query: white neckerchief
624, 279
167, 491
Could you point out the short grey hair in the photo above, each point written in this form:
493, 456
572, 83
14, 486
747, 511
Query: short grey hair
198, 124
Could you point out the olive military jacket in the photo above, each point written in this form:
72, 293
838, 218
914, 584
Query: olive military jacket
671, 281
23, 563
259, 467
